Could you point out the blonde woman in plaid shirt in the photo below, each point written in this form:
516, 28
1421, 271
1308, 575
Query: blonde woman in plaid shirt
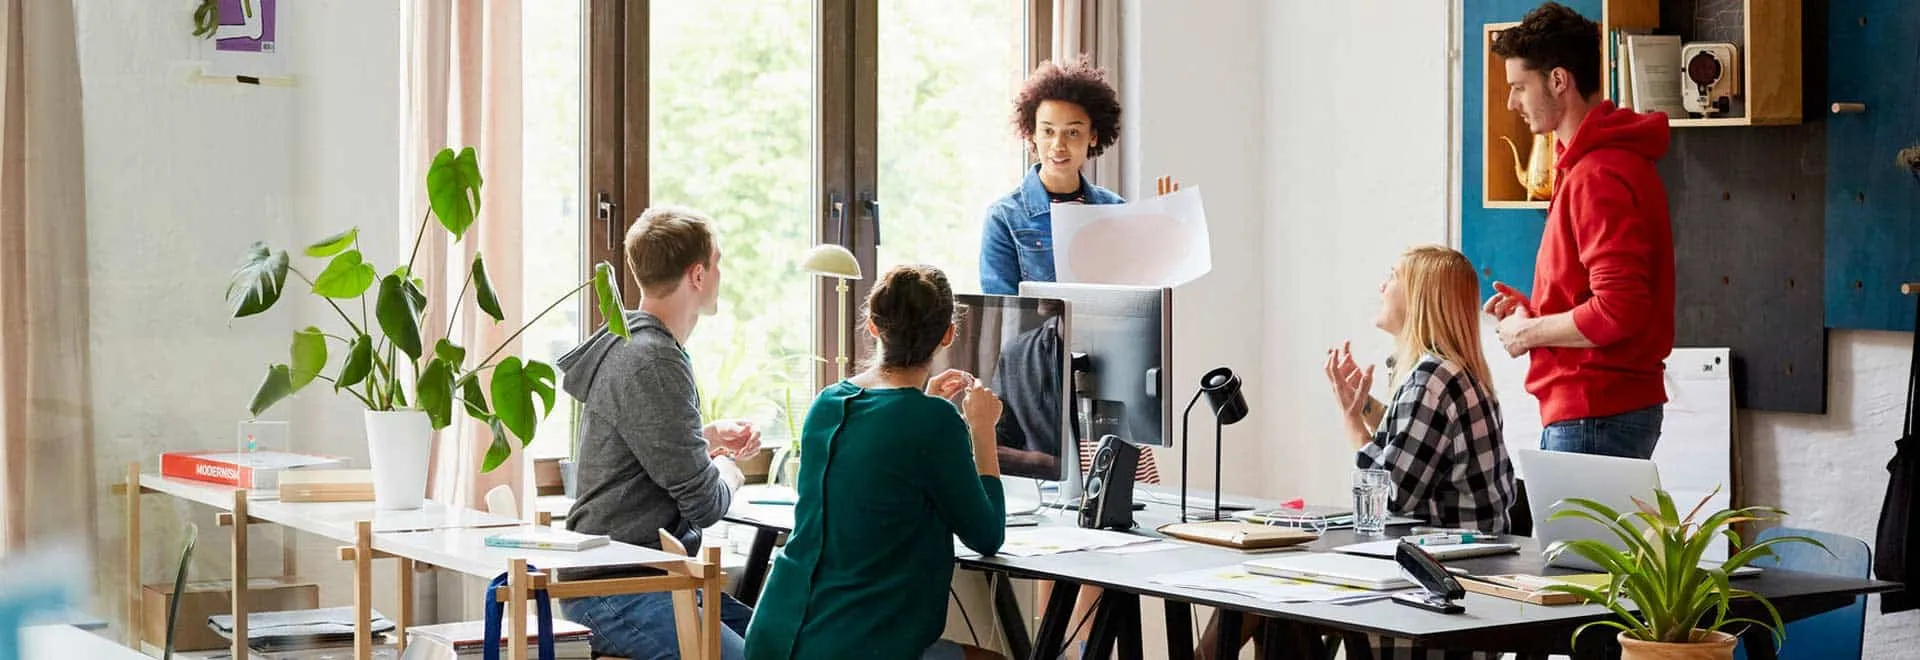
1439, 437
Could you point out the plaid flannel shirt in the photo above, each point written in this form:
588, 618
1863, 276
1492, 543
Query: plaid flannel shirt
1440, 440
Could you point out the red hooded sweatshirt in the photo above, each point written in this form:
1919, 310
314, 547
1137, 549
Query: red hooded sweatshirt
1607, 255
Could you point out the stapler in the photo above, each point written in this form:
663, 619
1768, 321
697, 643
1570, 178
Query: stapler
1438, 588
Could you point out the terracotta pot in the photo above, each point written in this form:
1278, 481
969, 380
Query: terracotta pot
1707, 645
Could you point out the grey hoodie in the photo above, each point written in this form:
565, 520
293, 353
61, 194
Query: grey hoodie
643, 462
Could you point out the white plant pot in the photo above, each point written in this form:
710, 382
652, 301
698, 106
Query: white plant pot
399, 443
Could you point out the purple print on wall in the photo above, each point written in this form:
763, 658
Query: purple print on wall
246, 26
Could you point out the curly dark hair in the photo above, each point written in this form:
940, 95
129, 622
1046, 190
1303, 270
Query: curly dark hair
1077, 82
1555, 37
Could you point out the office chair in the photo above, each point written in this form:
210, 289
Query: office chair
502, 502
1835, 634
1519, 514
179, 588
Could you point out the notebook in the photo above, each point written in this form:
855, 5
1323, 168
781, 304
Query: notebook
1238, 535
1332, 568
1386, 549
1523, 588
541, 537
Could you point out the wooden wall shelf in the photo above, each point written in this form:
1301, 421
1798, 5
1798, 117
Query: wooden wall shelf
1769, 39
1500, 189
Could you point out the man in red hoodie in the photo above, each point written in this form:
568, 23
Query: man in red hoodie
1599, 325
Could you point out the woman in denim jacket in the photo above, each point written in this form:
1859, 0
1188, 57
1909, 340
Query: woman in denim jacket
1068, 115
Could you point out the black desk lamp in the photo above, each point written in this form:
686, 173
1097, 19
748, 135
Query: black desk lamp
1222, 389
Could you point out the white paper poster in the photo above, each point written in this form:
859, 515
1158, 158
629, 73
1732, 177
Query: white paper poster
1159, 241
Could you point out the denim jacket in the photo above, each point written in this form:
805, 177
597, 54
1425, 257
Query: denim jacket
1017, 241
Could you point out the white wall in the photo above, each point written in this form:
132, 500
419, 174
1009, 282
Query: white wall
1213, 145
1829, 471
1356, 145
182, 177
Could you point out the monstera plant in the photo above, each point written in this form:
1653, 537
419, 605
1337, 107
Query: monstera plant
378, 355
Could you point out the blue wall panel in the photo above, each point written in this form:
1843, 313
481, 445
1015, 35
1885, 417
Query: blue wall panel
1872, 205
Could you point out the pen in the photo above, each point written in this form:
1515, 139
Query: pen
1442, 539
1423, 531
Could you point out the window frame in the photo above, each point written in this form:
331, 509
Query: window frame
845, 159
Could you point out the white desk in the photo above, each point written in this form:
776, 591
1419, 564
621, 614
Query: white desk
64, 642
449, 537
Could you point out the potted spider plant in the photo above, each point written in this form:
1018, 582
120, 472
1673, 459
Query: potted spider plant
1679, 609
409, 388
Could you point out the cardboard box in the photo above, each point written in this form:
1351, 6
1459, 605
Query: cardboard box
206, 598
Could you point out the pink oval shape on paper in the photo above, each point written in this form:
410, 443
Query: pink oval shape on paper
1131, 249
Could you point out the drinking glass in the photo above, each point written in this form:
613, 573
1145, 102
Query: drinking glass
1371, 489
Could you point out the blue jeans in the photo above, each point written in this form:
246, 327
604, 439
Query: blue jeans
1628, 434
640, 626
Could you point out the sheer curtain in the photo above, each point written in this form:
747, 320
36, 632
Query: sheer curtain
1092, 27
463, 89
45, 404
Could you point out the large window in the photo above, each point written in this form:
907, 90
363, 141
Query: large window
730, 96
791, 123
948, 70
552, 170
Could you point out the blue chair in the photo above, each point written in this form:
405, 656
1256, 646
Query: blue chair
1835, 634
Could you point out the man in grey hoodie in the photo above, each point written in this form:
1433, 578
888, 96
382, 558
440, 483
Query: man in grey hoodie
645, 461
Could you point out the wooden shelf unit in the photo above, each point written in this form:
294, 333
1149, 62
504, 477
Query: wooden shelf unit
1500, 189
1770, 54
1770, 84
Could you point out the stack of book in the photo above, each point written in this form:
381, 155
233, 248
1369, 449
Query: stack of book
254, 470
298, 629
459, 641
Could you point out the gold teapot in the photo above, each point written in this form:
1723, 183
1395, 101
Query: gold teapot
1536, 175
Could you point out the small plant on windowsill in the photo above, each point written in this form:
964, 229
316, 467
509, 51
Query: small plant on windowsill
407, 398
1682, 607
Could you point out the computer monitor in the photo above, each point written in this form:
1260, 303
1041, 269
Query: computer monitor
1017, 346
1126, 334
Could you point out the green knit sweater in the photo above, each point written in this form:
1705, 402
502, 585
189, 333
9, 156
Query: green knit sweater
887, 482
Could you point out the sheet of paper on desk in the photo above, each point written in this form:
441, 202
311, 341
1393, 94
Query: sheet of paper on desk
1158, 241
1138, 548
1056, 539
1235, 580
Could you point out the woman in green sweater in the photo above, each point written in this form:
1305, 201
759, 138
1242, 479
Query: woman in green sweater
893, 474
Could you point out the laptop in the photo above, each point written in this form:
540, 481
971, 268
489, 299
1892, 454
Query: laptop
1332, 568
1553, 476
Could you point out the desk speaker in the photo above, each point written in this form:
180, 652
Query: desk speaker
1108, 502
